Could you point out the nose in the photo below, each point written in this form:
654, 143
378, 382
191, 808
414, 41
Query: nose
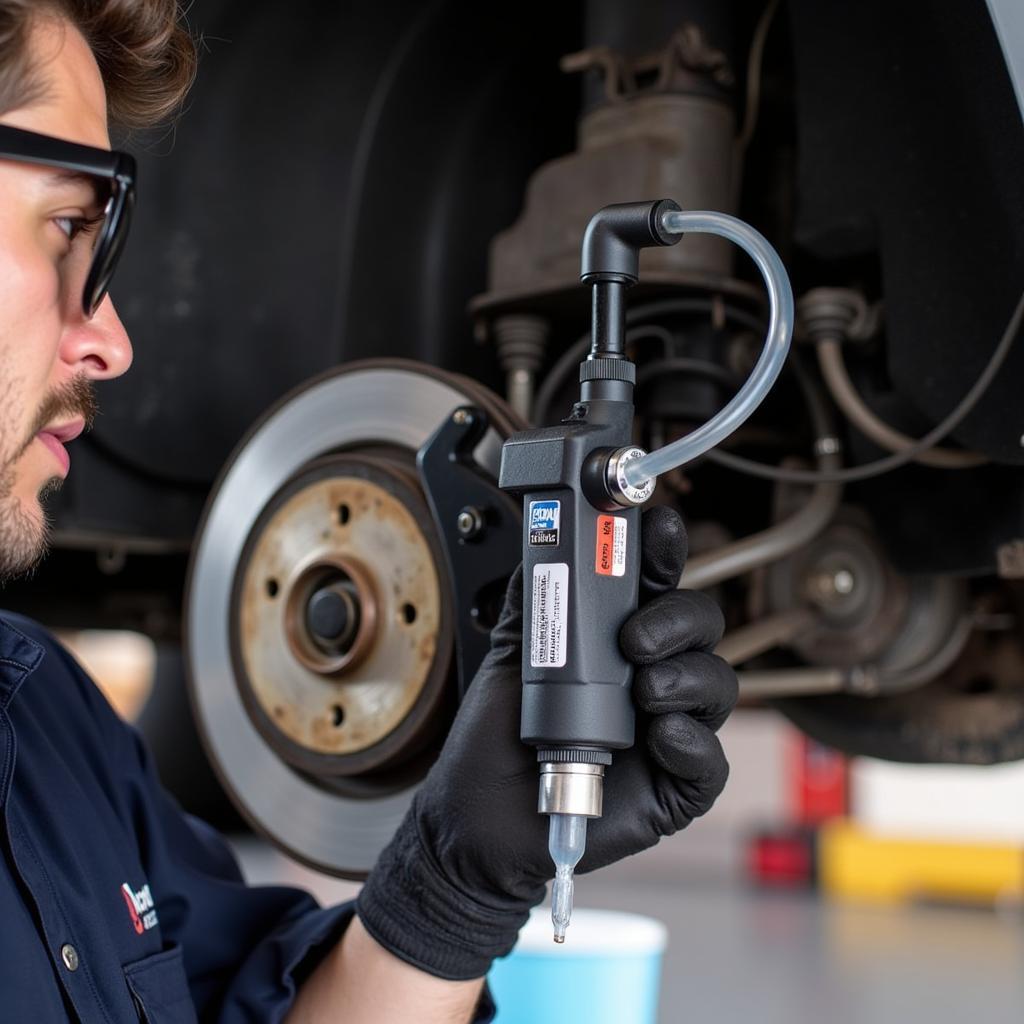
100, 347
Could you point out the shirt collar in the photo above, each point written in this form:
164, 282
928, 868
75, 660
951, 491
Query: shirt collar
19, 657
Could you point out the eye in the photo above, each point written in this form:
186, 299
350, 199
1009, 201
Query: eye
72, 227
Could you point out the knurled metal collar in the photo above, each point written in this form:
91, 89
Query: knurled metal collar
619, 488
574, 755
608, 369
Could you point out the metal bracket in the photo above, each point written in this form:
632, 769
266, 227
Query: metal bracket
480, 529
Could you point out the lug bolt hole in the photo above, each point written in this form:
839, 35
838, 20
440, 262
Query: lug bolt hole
337, 715
408, 613
272, 587
344, 514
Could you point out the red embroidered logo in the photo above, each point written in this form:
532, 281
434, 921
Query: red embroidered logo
140, 907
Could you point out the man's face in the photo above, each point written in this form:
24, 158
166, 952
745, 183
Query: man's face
49, 352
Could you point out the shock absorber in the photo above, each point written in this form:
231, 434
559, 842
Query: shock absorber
582, 483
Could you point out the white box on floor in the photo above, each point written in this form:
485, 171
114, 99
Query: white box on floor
959, 803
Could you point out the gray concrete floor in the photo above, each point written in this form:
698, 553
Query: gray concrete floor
740, 956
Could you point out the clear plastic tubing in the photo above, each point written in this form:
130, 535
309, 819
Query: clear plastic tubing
567, 839
769, 365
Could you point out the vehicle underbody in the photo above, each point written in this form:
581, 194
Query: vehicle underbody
369, 217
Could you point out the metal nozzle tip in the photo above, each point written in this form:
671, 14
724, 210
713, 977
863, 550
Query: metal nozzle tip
559, 939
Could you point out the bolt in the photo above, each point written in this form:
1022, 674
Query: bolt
842, 582
470, 522
829, 585
461, 417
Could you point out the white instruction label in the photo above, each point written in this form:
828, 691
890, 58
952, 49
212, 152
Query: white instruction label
550, 615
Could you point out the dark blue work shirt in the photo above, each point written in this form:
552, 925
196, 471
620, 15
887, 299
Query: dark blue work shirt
116, 907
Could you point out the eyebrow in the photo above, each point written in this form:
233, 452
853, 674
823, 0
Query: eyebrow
60, 179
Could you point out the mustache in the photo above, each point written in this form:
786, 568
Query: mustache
75, 398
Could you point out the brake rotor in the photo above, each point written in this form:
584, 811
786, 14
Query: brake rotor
319, 623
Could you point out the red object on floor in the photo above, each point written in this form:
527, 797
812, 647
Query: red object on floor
782, 859
817, 785
819, 782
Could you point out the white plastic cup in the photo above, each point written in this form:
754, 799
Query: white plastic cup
608, 971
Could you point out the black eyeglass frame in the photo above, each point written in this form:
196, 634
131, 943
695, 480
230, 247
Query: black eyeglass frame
112, 166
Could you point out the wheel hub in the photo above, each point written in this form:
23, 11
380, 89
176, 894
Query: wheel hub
342, 640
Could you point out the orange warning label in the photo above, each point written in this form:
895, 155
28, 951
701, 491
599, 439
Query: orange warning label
610, 554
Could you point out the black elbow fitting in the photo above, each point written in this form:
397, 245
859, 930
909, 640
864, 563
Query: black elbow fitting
615, 236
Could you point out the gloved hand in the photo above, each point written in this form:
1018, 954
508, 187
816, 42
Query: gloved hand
456, 883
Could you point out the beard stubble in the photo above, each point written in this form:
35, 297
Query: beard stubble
24, 538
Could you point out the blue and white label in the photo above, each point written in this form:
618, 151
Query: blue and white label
545, 520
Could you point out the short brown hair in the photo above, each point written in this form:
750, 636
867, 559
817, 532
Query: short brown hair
144, 51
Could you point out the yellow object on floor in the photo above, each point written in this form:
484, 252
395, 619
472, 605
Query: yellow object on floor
856, 865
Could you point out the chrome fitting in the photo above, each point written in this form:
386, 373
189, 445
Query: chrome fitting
619, 488
571, 789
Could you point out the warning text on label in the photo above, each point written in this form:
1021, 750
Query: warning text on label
610, 555
548, 638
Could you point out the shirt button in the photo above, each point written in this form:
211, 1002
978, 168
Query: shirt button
69, 955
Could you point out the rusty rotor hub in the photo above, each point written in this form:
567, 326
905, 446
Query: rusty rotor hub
342, 636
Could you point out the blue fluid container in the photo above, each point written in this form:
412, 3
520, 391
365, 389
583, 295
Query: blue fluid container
608, 971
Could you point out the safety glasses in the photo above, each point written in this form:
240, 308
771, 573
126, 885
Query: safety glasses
111, 169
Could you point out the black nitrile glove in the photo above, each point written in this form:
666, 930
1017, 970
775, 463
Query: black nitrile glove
455, 885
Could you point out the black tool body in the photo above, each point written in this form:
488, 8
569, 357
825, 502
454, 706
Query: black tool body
580, 580
581, 523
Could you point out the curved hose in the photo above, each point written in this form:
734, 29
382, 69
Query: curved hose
859, 680
771, 544
769, 365
885, 465
833, 370
779, 539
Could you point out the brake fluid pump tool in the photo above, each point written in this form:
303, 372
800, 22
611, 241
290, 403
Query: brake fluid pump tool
582, 483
